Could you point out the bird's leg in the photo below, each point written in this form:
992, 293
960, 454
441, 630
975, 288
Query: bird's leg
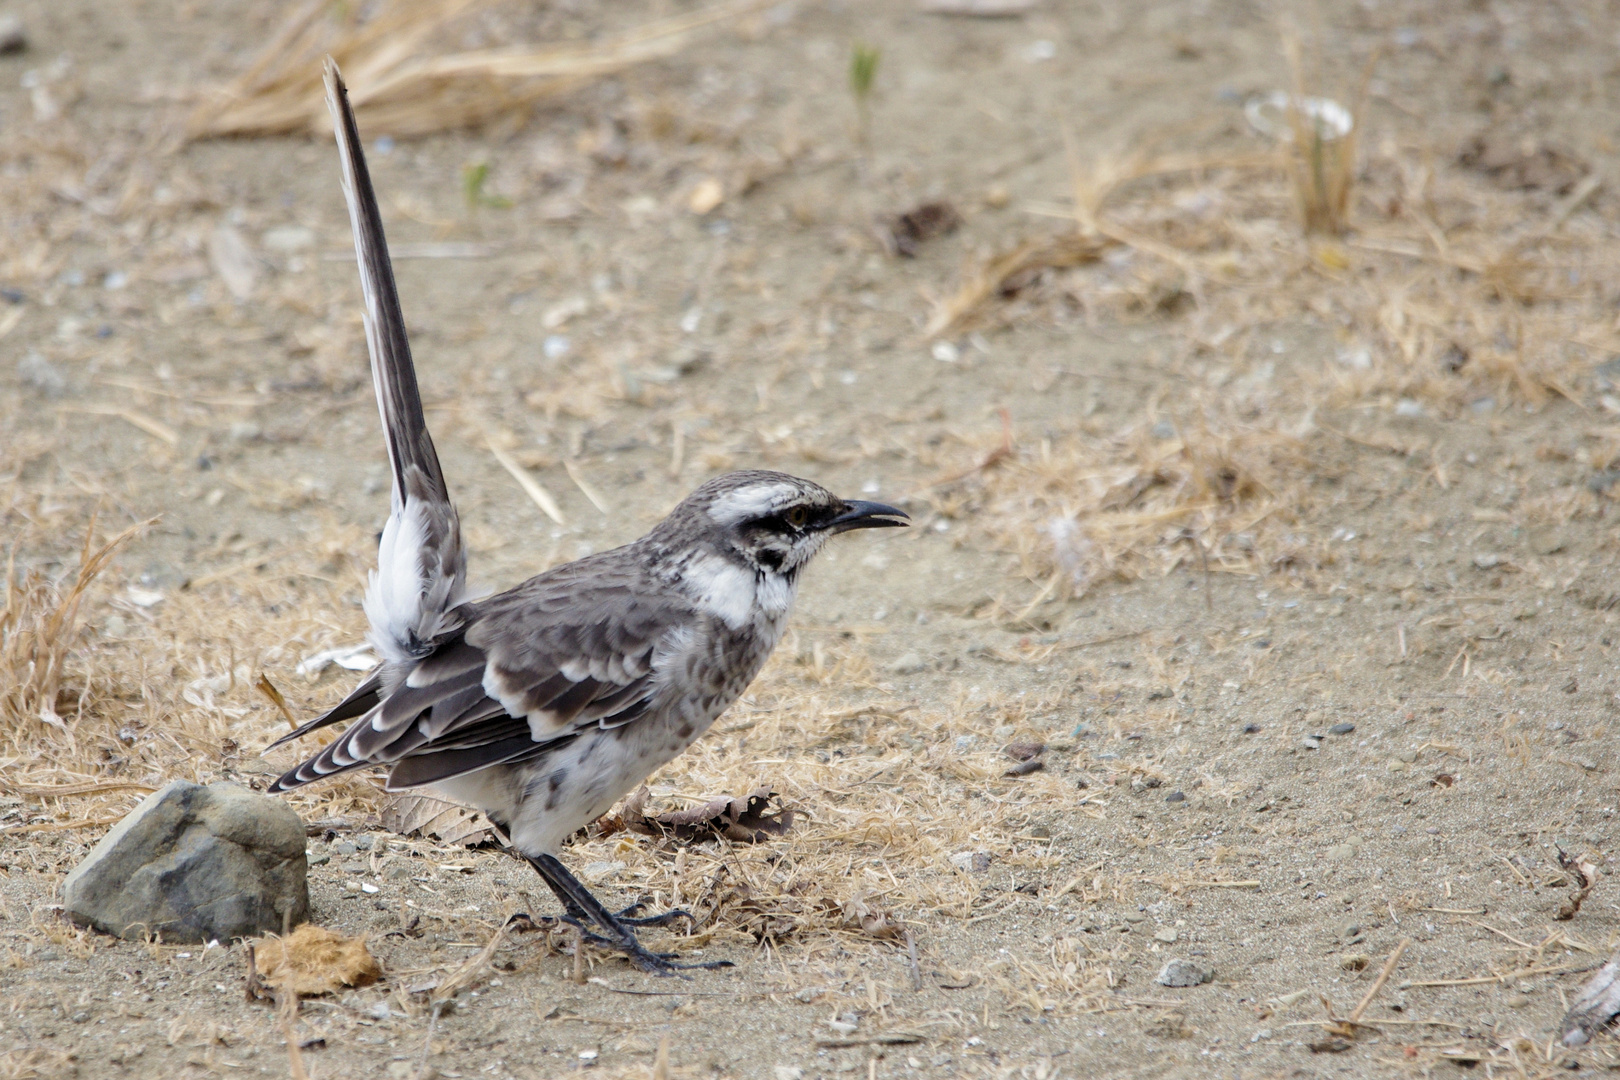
576, 897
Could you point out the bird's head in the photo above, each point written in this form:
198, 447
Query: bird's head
774, 523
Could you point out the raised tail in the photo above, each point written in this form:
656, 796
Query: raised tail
421, 566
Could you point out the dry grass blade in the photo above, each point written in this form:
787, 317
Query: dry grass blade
1322, 163
472, 970
1005, 274
531, 487
39, 627
400, 89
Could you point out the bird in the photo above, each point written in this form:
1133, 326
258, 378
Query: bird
545, 704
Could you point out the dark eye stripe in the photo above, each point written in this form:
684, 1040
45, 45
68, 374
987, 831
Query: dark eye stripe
779, 523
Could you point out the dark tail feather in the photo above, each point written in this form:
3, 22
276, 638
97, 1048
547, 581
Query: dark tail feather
361, 700
398, 398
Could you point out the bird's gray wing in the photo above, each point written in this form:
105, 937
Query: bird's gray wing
579, 647
421, 565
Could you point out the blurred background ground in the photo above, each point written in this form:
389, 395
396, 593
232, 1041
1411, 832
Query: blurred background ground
1291, 549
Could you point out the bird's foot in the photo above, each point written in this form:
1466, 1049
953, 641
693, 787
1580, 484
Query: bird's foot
624, 941
663, 963
629, 918
581, 907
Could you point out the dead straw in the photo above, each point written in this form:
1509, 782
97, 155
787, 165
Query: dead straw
1383, 977
399, 88
39, 627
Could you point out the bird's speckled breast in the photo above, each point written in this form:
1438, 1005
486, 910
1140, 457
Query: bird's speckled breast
545, 800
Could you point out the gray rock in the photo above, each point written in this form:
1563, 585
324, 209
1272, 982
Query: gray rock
195, 864
1184, 973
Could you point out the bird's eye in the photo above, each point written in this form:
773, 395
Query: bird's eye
797, 516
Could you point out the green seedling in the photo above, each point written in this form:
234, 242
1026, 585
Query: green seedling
473, 178
863, 66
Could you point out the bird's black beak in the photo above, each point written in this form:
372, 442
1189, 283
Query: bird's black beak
858, 514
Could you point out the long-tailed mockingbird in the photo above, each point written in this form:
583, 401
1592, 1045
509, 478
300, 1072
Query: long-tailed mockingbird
545, 704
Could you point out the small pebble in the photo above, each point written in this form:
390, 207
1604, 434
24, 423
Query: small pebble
344, 847
1313, 742
1433, 830
1166, 935
1518, 1001
1175, 797
1184, 973
13, 38
909, 664
976, 862
1341, 729
1250, 729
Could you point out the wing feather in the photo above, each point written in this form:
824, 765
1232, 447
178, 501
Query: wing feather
529, 670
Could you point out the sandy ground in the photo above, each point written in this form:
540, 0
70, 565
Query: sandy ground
1278, 774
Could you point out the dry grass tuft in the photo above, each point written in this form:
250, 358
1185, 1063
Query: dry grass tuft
1006, 274
400, 87
313, 960
1149, 500
40, 627
1321, 158
36, 1063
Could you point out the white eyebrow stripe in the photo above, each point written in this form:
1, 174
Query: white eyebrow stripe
753, 501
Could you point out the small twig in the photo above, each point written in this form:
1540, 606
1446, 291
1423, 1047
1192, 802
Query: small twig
1203, 562
56, 826
579, 957
1571, 907
1505, 977
881, 1038
427, 1043
470, 969
61, 791
257, 992
916, 971
286, 1010
1383, 977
